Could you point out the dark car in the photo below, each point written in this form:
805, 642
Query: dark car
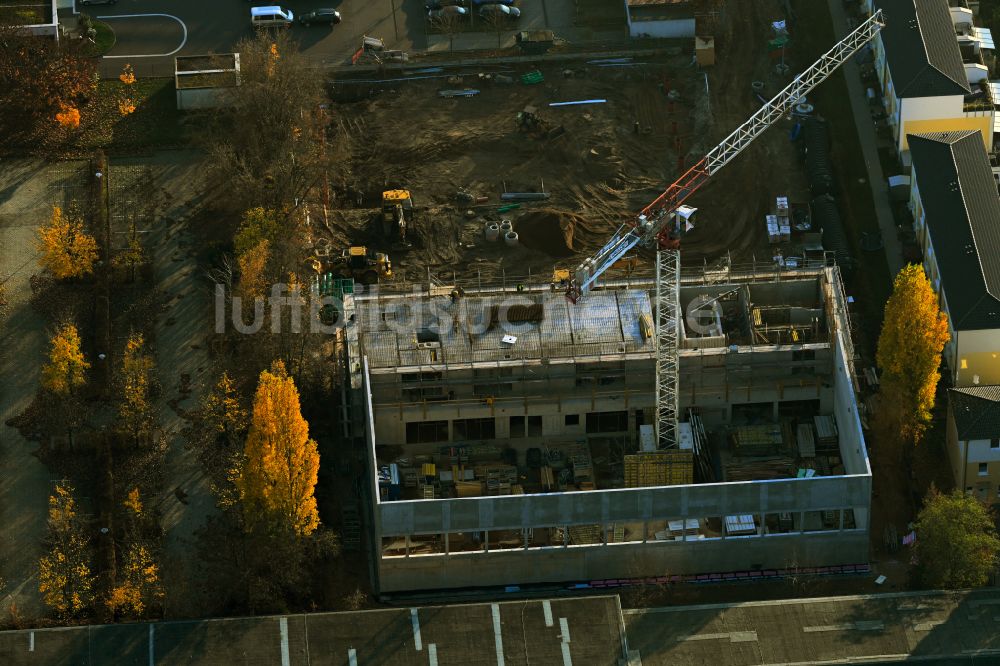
495, 11
479, 3
87, 3
446, 13
317, 16
438, 4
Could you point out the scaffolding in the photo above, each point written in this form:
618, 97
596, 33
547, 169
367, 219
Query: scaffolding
667, 302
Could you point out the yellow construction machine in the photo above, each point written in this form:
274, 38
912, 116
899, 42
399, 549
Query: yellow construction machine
358, 262
397, 213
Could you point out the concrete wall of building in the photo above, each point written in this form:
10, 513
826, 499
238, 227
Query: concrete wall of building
675, 29
627, 560
853, 451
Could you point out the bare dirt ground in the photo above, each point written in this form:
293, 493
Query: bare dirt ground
28, 190
600, 170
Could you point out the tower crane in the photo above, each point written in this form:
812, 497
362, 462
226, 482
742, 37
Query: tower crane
661, 223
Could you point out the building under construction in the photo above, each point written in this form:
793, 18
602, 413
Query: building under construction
515, 438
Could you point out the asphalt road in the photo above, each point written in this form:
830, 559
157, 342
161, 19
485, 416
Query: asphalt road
151, 32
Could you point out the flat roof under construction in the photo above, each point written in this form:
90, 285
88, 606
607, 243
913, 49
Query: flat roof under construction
440, 330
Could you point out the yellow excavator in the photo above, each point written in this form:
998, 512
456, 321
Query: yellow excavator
397, 214
358, 262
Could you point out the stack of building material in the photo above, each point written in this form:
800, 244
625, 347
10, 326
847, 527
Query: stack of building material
498, 478
585, 534
662, 468
579, 458
773, 229
757, 440
806, 442
826, 434
759, 470
468, 488
782, 215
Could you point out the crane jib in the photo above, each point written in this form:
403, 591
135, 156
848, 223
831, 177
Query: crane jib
652, 221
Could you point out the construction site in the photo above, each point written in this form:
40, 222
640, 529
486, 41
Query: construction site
548, 390
459, 138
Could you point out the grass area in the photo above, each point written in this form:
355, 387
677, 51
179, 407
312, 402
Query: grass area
105, 38
155, 123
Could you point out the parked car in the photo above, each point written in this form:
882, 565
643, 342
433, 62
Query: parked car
496, 12
87, 3
327, 16
438, 4
271, 17
445, 13
480, 3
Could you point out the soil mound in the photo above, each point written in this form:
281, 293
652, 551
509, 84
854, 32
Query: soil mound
549, 230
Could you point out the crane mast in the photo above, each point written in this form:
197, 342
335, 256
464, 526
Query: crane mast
653, 224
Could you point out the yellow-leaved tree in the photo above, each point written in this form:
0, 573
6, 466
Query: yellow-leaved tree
280, 463
138, 585
914, 331
68, 251
134, 407
67, 367
253, 266
64, 576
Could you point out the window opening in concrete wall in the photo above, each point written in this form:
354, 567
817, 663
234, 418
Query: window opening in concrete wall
634, 532
572, 419
466, 429
516, 427
466, 542
545, 537
426, 544
425, 432
394, 546
598, 422
534, 426
586, 535
821, 521
743, 525
408, 377
708, 528
779, 523
505, 539
849, 523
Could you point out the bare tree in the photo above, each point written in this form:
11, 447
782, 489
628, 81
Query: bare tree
268, 146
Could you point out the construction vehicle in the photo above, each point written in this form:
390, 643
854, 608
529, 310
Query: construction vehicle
661, 224
397, 213
357, 262
531, 123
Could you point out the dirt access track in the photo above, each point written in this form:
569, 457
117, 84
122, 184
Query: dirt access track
599, 172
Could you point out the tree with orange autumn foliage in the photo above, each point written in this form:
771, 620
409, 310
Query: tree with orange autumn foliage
914, 332
280, 465
67, 367
135, 407
40, 78
69, 117
64, 575
68, 251
138, 585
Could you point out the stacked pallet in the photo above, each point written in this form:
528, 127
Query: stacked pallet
498, 478
757, 440
759, 470
579, 458
662, 468
826, 434
782, 218
585, 534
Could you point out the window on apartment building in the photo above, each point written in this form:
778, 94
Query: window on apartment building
420, 377
995, 443
516, 427
984, 469
534, 426
607, 422
572, 419
425, 432
474, 429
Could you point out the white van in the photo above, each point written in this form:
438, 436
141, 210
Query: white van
271, 17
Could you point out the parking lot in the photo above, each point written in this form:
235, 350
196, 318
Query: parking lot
151, 32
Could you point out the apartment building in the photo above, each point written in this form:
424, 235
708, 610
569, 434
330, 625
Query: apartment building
956, 211
931, 61
510, 437
974, 440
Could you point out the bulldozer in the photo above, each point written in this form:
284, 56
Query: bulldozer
529, 122
358, 262
397, 214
